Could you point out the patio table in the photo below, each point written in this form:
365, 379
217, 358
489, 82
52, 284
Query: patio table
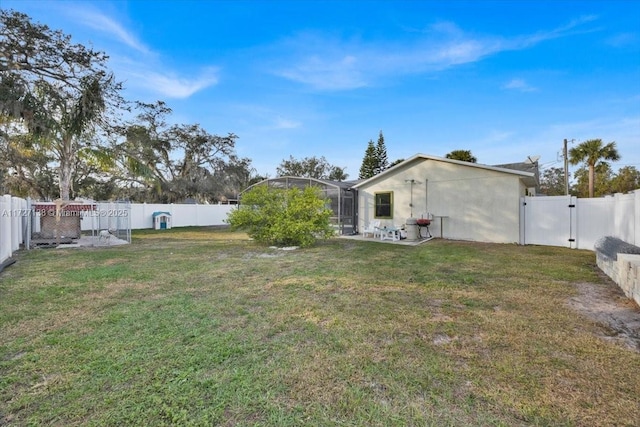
389, 233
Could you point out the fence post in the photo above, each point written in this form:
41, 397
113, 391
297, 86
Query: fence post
27, 229
573, 222
16, 223
5, 227
636, 217
523, 219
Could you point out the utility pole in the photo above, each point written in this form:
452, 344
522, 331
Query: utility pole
566, 168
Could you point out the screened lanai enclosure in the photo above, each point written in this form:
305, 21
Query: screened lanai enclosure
340, 196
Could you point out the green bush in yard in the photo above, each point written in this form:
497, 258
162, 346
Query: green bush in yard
283, 217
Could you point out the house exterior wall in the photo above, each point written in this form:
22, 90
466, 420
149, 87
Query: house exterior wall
479, 204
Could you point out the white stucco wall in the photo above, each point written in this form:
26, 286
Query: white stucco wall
480, 204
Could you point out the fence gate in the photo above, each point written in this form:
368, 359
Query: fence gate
549, 221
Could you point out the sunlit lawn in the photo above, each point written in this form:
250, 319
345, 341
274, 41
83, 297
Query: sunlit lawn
204, 327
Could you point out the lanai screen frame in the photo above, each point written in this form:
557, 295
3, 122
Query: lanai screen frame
337, 191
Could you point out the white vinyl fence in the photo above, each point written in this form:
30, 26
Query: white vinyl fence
578, 223
16, 219
552, 221
141, 214
14, 222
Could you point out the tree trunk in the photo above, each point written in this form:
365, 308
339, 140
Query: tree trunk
592, 175
67, 161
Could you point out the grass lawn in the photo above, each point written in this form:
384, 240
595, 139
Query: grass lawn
204, 327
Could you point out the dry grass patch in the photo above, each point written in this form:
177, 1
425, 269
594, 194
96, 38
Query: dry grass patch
204, 327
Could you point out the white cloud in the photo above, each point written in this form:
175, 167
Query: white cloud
324, 63
99, 21
174, 86
519, 85
562, 31
328, 73
622, 40
268, 118
283, 123
327, 63
138, 64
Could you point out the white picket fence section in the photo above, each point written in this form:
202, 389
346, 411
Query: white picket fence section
578, 223
14, 224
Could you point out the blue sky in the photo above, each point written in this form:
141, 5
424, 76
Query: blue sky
504, 79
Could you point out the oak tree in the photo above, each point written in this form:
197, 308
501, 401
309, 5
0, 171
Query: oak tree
56, 93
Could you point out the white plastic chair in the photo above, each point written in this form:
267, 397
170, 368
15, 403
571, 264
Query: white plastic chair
373, 228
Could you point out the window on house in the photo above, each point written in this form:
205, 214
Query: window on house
384, 205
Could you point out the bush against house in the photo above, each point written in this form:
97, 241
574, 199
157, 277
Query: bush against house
283, 217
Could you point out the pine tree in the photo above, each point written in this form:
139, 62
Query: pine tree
381, 155
369, 162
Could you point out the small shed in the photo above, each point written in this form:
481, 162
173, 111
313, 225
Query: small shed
161, 220
61, 219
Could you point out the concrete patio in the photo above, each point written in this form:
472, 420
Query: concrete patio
402, 242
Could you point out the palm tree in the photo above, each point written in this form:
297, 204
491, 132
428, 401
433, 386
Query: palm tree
591, 152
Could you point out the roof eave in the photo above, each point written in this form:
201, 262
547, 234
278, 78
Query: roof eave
444, 159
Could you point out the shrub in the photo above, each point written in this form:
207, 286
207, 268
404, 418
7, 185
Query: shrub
280, 217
